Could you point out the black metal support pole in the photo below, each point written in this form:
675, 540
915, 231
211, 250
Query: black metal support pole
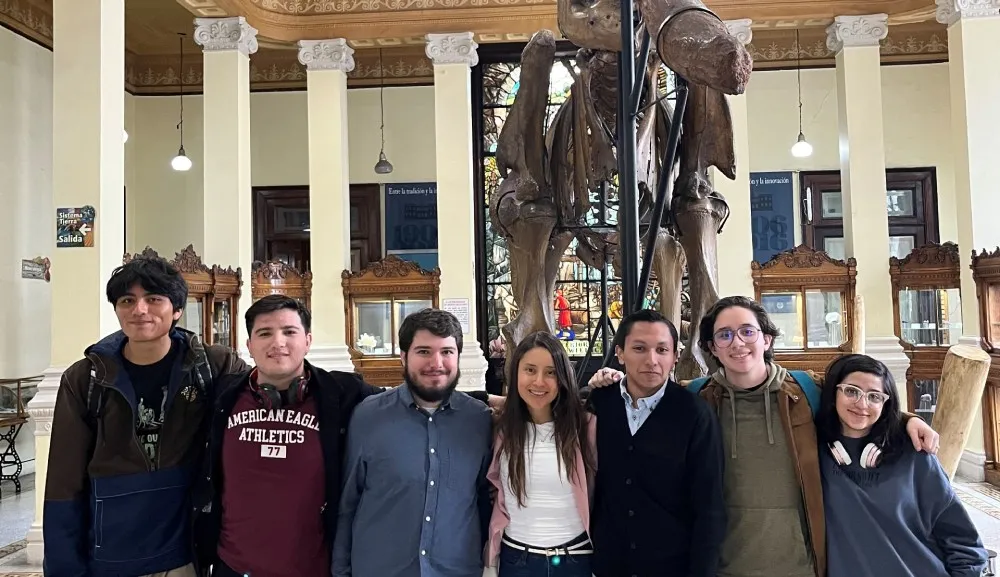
640, 73
662, 185
605, 321
628, 208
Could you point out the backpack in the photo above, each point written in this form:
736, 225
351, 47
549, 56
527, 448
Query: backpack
809, 387
202, 373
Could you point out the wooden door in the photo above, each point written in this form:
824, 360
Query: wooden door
911, 205
282, 225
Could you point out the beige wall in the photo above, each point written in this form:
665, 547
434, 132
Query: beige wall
166, 203
917, 124
27, 222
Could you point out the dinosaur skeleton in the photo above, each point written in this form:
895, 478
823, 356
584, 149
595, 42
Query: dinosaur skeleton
543, 199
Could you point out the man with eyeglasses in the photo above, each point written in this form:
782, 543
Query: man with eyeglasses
658, 500
773, 489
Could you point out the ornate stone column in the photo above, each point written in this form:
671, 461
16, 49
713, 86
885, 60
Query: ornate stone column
88, 181
227, 44
453, 56
736, 240
973, 29
327, 63
855, 39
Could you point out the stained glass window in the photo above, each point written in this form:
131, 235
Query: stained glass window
577, 304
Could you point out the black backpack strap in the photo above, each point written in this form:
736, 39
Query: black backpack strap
95, 396
202, 369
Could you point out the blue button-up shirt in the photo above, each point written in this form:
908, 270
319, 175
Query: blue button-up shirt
638, 414
416, 501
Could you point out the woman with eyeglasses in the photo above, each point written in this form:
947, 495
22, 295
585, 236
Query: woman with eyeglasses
773, 489
890, 510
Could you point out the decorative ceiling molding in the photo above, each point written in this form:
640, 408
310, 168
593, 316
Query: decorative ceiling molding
405, 63
280, 70
924, 42
29, 18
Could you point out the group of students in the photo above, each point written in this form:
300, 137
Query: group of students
170, 458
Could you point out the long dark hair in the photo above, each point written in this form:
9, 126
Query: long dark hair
568, 415
889, 431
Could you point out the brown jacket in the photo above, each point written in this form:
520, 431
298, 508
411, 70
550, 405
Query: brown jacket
108, 508
800, 430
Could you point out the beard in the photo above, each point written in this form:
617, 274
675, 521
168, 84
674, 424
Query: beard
429, 394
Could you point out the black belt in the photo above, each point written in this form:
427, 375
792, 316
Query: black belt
582, 548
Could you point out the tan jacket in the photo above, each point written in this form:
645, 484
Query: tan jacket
800, 430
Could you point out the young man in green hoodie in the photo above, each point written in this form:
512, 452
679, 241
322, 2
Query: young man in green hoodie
773, 489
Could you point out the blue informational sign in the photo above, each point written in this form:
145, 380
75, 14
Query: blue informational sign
772, 216
411, 217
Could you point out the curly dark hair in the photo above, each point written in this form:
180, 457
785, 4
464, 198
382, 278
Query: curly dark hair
706, 328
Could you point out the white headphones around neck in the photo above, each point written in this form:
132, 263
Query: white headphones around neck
870, 456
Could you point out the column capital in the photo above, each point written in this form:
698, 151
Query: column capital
217, 34
457, 48
332, 54
865, 30
740, 29
951, 11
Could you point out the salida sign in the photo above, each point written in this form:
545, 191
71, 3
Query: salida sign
75, 227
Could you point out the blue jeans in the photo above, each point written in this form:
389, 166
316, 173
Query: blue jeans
516, 562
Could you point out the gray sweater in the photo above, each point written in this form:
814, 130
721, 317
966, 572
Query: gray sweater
901, 519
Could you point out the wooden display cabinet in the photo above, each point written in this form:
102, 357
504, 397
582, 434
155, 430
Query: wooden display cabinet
810, 297
927, 316
213, 294
377, 299
276, 277
986, 273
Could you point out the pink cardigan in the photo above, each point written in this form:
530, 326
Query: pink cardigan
581, 493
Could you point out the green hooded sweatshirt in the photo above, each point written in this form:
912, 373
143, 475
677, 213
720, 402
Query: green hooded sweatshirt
767, 534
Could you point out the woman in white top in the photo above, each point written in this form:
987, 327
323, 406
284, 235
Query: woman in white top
543, 465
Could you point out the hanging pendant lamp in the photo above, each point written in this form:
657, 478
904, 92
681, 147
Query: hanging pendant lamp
383, 166
801, 148
181, 162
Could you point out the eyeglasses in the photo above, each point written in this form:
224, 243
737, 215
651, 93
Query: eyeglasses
747, 333
855, 394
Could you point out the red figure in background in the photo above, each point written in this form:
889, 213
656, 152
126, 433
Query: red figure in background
563, 319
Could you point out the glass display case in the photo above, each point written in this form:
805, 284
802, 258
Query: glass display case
213, 294
927, 315
810, 297
378, 298
277, 277
986, 274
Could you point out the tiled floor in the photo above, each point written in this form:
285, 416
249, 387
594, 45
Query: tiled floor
17, 511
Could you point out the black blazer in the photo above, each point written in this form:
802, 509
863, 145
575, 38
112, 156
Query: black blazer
336, 394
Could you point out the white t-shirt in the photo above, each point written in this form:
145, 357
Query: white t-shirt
549, 517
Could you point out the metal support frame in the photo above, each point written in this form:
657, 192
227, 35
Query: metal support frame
635, 281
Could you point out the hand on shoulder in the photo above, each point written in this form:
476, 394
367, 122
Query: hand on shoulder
605, 377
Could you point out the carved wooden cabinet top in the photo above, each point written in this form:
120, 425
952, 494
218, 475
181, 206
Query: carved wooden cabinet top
986, 266
276, 277
391, 276
930, 266
222, 282
804, 268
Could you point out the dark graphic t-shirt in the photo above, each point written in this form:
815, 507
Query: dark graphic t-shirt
150, 383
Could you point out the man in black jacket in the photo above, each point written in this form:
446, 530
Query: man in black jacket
273, 474
658, 502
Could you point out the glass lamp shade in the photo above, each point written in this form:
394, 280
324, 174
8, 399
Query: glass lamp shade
383, 166
801, 148
181, 162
